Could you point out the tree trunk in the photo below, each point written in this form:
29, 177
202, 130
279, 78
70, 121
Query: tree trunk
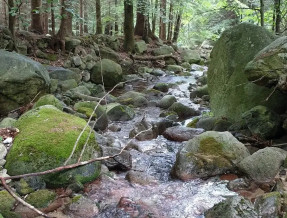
4, 14
99, 17
154, 16
162, 25
262, 12
86, 18
12, 17
66, 21
117, 18
53, 19
81, 18
129, 41
45, 19
36, 18
177, 27
277, 15
170, 22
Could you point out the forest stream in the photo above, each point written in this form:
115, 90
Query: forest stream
164, 196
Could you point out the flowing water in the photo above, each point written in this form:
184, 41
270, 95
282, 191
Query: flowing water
165, 197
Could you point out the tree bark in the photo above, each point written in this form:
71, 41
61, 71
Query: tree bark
177, 27
154, 16
12, 17
170, 22
81, 18
36, 18
45, 19
117, 17
262, 12
129, 41
99, 29
162, 25
86, 18
4, 14
66, 21
277, 15
53, 19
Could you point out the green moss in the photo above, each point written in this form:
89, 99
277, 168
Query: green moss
45, 141
87, 111
76, 198
192, 124
41, 198
10, 214
51, 57
23, 187
6, 201
49, 100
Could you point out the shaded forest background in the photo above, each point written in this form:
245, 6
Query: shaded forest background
187, 22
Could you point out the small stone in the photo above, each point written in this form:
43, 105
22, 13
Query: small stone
77, 61
3, 151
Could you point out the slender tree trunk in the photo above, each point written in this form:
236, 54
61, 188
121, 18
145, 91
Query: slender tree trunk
177, 27
99, 17
86, 18
117, 18
45, 19
262, 12
154, 16
53, 19
82, 18
162, 25
12, 17
129, 41
109, 25
36, 18
278, 15
170, 22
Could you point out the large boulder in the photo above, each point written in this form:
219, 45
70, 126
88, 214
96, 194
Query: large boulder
163, 50
63, 74
263, 165
118, 112
140, 47
190, 56
209, 154
21, 79
46, 139
111, 72
268, 68
230, 92
232, 207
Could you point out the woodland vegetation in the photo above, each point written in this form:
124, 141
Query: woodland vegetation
186, 22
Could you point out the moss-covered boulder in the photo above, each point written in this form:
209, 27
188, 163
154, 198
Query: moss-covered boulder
63, 74
7, 122
140, 47
199, 92
134, 98
163, 87
166, 101
87, 108
175, 68
46, 139
183, 111
71, 43
118, 112
190, 56
230, 92
30, 76
213, 123
235, 207
6, 201
163, 50
268, 66
41, 198
110, 70
262, 122
49, 100
263, 165
108, 53
209, 154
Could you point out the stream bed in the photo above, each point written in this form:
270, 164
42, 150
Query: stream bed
162, 195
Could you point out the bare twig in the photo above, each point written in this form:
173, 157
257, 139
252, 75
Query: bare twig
3, 181
254, 81
272, 92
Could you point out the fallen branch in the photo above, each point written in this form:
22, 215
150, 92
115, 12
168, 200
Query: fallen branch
3, 181
154, 58
90, 98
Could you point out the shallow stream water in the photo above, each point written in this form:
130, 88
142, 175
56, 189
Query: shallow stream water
167, 197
